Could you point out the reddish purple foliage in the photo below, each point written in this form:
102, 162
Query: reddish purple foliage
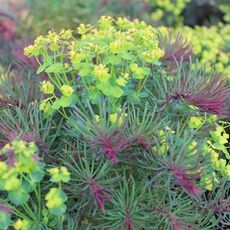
111, 144
176, 50
213, 96
11, 158
5, 209
142, 141
128, 222
180, 95
99, 193
15, 135
18, 53
210, 96
182, 178
7, 28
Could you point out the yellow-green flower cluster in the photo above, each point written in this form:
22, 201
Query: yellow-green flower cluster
111, 58
56, 198
168, 11
59, 174
218, 155
67, 90
211, 46
208, 180
115, 45
48, 105
20, 172
214, 151
195, 122
101, 72
162, 134
53, 40
21, 224
20, 160
47, 87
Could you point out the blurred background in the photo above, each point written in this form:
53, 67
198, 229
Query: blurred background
204, 23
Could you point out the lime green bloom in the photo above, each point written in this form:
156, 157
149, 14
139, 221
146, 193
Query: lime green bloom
55, 198
12, 183
18, 145
47, 87
192, 148
150, 56
194, 122
29, 50
212, 118
45, 105
22, 161
101, 72
227, 171
101, 54
3, 168
59, 174
218, 164
21, 224
105, 22
168, 129
139, 72
121, 81
116, 46
113, 118
83, 29
213, 154
157, 15
123, 23
97, 118
66, 34
207, 182
67, 90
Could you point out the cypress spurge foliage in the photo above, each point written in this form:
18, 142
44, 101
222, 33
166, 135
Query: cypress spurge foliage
124, 132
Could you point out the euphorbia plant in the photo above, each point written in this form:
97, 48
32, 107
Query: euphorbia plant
134, 121
113, 59
21, 172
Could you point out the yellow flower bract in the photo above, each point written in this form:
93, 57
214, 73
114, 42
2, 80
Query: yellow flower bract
67, 90
21, 224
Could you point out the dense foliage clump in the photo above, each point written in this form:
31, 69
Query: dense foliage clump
211, 46
113, 126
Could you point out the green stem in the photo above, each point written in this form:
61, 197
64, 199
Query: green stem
81, 105
38, 195
85, 85
114, 77
64, 112
60, 223
113, 104
19, 214
30, 213
55, 83
141, 84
